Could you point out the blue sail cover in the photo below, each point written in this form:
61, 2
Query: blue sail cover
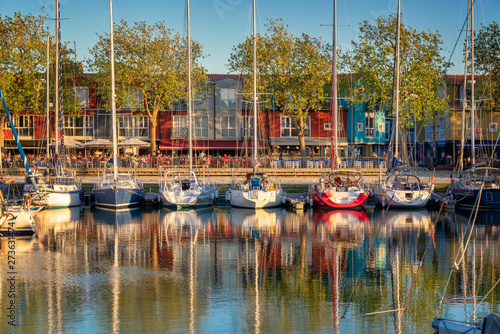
18, 142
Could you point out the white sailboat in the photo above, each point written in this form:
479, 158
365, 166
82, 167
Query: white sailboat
117, 190
257, 191
404, 187
58, 186
187, 191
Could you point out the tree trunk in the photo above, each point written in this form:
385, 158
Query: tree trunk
154, 122
302, 142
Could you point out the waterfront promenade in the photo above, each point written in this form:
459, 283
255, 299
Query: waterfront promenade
225, 175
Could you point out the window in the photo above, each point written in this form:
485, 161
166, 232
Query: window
82, 97
130, 126
327, 126
228, 98
360, 126
141, 126
82, 126
133, 100
179, 127
370, 125
429, 130
201, 127
247, 129
288, 129
23, 124
200, 101
493, 127
228, 126
442, 129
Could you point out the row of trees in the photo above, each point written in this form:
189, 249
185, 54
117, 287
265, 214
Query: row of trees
296, 70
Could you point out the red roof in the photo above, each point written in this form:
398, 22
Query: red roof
218, 77
458, 79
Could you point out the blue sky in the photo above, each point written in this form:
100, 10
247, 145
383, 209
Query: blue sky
220, 24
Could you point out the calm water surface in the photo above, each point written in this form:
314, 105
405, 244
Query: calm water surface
229, 270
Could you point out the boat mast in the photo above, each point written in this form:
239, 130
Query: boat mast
395, 86
254, 69
464, 93
113, 102
334, 90
47, 107
472, 106
57, 75
190, 129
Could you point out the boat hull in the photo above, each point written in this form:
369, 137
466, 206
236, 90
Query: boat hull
401, 199
187, 199
466, 198
55, 199
256, 198
16, 221
339, 200
118, 198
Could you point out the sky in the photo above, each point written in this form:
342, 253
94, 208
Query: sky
221, 24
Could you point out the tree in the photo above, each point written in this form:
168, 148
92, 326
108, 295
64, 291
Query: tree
422, 70
151, 59
487, 61
22, 58
294, 69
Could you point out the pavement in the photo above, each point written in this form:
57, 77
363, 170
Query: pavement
440, 177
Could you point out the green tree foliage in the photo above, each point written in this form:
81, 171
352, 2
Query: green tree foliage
421, 70
294, 69
151, 59
487, 62
23, 58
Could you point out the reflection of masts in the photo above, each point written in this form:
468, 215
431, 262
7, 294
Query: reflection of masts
257, 310
115, 285
335, 290
192, 281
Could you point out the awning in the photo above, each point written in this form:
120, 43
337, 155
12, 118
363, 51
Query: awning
442, 143
479, 144
168, 144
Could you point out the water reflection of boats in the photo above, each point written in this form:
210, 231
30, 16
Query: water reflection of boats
406, 219
338, 218
187, 219
58, 215
484, 217
22, 244
111, 216
268, 220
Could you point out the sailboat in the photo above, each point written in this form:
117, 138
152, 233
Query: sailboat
477, 184
15, 218
58, 186
117, 190
257, 191
179, 191
403, 187
338, 189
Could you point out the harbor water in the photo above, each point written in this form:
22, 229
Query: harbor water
228, 270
